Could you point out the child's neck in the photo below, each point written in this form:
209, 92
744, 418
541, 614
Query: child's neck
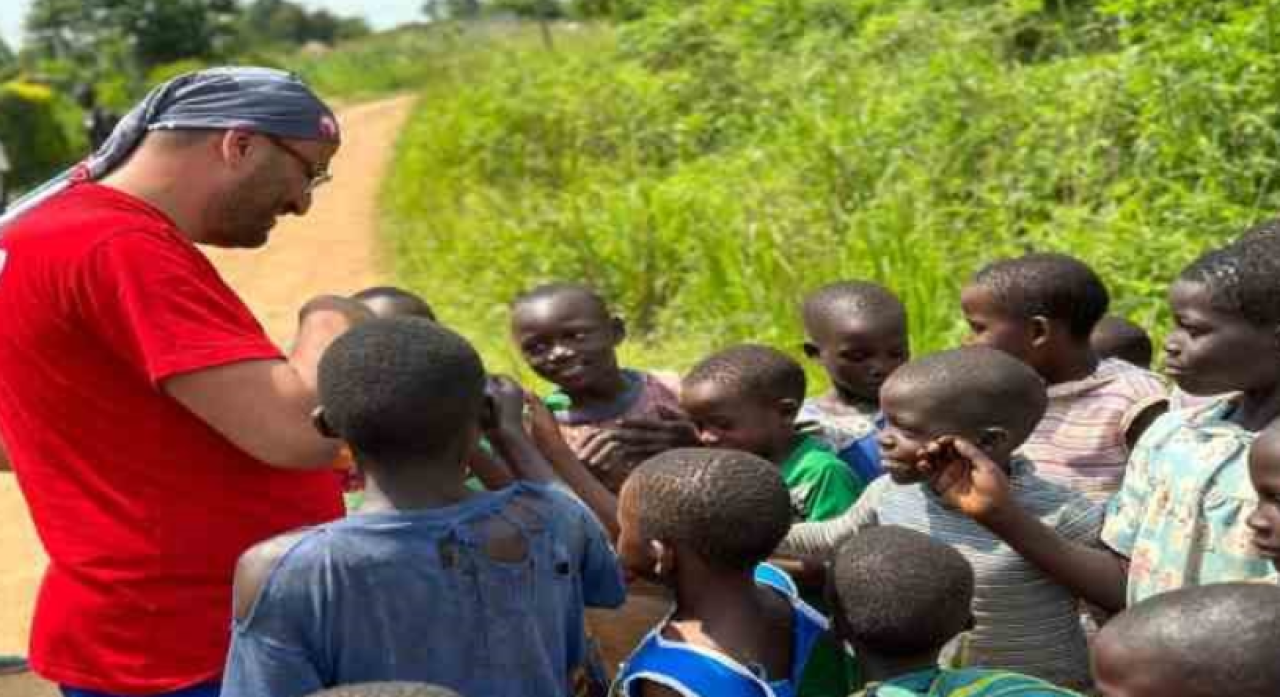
783, 449
1258, 409
601, 394
414, 487
884, 668
1077, 363
844, 396
726, 606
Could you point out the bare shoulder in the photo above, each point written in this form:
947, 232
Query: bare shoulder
255, 566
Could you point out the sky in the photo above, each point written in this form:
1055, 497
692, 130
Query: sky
381, 14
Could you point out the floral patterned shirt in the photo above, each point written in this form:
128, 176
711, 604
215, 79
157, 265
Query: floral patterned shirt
1180, 516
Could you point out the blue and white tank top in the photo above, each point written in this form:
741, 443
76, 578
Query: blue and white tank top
694, 671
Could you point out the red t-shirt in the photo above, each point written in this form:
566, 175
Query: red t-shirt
142, 507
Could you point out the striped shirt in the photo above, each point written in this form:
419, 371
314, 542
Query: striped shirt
1024, 621
1082, 441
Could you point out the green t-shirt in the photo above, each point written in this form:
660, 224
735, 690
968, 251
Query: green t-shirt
967, 682
822, 486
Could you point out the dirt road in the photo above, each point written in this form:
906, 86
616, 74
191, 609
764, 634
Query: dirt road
333, 249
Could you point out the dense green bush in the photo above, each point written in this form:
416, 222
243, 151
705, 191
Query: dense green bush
708, 162
35, 127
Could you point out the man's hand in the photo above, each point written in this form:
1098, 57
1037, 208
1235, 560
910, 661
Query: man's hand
354, 311
965, 477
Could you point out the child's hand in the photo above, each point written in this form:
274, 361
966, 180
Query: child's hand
643, 438
965, 477
505, 402
354, 311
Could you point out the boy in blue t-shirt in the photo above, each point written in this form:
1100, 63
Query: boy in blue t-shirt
858, 332
431, 581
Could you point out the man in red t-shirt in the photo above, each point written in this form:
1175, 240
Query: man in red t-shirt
155, 431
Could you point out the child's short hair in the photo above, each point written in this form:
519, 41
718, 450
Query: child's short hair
387, 689
406, 304
1119, 338
979, 387
1243, 278
1267, 228
845, 298
551, 290
759, 373
732, 508
1056, 286
1216, 638
900, 592
398, 389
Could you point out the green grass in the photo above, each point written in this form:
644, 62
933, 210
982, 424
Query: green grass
710, 162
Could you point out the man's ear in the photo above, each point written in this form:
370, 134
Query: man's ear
321, 423
235, 146
811, 350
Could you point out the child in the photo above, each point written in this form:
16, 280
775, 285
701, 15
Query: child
1041, 309
858, 332
746, 398
1180, 518
900, 598
612, 418
431, 581
1117, 337
389, 301
1197, 642
388, 689
699, 521
1264, 472
1025, 622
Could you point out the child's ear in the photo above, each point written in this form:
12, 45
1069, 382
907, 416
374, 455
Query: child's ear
321, 424
992, 439
619, 326
1041, 329
811, 350
664, 559
788, 408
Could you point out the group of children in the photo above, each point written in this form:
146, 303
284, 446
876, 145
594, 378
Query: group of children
965, 523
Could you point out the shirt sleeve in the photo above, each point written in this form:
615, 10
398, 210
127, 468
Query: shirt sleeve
820, 538
160, 305
602, 582
1125, 510
1146, 391
269, 652
831, 487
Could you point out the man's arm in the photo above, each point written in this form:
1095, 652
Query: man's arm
5, 466
264, 406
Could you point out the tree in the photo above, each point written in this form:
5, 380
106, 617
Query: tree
151, 33
282, 21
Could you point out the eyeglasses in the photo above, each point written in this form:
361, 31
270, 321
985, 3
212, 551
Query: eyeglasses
318, 175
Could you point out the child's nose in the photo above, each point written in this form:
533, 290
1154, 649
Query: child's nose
1257, 522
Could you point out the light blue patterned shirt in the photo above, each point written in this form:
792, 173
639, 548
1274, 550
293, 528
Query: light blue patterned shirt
1180, 516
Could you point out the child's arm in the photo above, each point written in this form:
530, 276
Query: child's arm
818, 539
529, 457
970, 482
489, 470
265, 659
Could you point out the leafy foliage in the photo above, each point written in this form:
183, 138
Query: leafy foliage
708, 161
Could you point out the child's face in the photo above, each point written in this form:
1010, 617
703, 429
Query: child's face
906, 431
726, 419
858, 352
568, 340
990, 326
1264, 470
1212, 351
